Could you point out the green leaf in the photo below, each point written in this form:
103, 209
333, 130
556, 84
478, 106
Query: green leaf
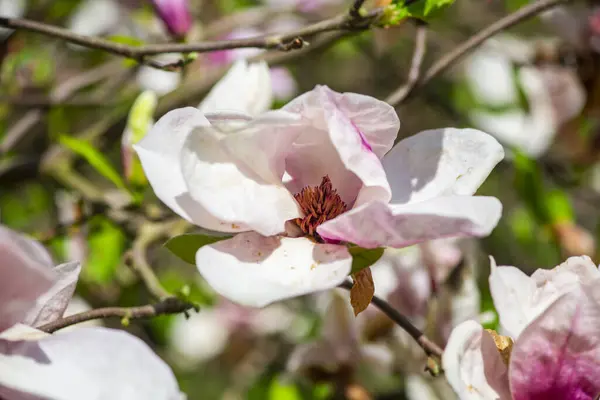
398, 11
185, 246
140, 115
106, 245
94, 157
559, 207
363, 258
530, 187
280, 390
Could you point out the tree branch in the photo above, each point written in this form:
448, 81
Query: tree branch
171, 305
284, 42
403, 322
476, 40
415, 66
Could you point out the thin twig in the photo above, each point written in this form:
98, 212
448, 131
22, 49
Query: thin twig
59, 94
403, 322
45, 102
415, 66
476, 40
171, 305
285, 42
137, 257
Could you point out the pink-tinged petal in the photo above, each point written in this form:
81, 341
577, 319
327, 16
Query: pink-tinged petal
255, 270
52, 304
283, 82
441, 162
160, 152
379, 224
342, 143
87, 363
376, 121
558, 355
473, 365
26, 271
519, 298
236, 173
246, 88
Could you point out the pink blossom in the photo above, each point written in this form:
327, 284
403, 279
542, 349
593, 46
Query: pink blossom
261, 176
553, 318
175, 14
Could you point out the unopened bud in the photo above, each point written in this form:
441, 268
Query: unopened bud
139, 123
176, 16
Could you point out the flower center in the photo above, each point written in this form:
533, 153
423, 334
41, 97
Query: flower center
319, 204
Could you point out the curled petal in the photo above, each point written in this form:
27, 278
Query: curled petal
342, 142
441, 162
87, 363
473, 365
255, 270
378, 224
159, 152
26, 271
519, 298
558, 354
237, 174
376, 121
246, 88
52, 304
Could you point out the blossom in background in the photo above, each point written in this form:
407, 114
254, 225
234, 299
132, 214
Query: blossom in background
552, 347
303, 5
433, 286
81, 363
176, 16
157, 80
219, 326
283, 83
95, 18
11, 9
554, 94
338, 351
298, 183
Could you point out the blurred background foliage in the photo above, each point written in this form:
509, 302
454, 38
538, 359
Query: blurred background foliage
65, 165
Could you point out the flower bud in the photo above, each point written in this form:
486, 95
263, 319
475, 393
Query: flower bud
175, 14
139, 123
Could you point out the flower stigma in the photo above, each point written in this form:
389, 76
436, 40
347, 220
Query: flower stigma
319, 204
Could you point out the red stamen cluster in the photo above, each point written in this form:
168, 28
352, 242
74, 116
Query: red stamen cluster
319, 204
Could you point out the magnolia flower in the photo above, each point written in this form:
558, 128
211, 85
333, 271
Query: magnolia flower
157, 80
175, 14
554, 94
85, 363
338, 351
552, 349
299, 183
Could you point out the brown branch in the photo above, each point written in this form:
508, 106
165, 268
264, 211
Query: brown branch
45, 102
430, 348
59, 94
284, 42
476, 40
171, 305
414, 73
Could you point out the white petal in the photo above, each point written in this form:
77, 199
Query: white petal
237, 175
88, 363
441, 162
254, 270
473, 364
11, 9
52, 304
160, 153
246, 88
